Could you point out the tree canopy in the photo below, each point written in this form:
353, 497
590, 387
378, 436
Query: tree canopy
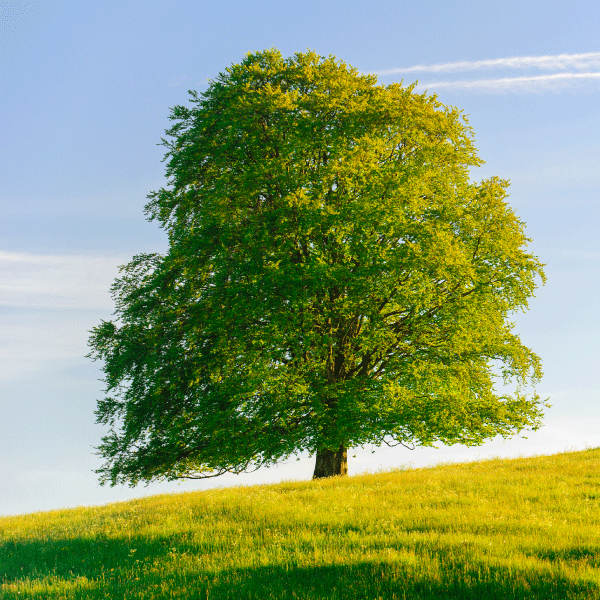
333, 279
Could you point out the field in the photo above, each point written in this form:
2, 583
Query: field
491, 529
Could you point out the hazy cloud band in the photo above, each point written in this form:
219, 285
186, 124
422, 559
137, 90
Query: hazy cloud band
51, 281
555, 82
589, 60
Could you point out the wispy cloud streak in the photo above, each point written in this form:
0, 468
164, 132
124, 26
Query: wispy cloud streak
576, 71
539, 83
589, 60
51, 281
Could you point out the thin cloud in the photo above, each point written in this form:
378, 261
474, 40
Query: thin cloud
589, 60
52, 281
36, 341
540, 83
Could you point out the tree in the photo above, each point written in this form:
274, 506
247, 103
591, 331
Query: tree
333, 279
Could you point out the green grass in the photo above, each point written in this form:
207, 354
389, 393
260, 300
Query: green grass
500, 528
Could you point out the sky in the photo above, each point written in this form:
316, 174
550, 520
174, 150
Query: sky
86, 90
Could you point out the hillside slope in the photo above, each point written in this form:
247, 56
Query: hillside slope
500, 528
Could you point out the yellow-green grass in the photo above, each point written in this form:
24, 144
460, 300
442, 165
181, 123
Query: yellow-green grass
491, 529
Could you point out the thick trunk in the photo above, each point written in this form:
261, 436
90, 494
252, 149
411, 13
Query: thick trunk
330, 463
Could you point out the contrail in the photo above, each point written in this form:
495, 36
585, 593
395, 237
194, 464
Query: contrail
554, 81
589, 60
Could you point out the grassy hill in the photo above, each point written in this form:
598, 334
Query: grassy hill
500, 528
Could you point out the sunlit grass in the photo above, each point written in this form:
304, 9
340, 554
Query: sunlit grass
493, 529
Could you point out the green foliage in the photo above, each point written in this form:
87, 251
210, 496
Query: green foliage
495, 529
333, 277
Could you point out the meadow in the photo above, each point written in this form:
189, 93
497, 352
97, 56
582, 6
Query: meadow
489, 529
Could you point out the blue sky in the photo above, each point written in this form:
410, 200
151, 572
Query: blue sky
85, 95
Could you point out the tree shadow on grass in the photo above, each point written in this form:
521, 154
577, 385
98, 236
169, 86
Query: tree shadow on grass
168, 567
589, 554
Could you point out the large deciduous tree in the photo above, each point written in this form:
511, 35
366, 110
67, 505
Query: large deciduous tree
333, 279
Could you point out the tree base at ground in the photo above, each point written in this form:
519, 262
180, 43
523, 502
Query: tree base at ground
331, 462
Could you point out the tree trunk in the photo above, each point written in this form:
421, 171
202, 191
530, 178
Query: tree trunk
330, 463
